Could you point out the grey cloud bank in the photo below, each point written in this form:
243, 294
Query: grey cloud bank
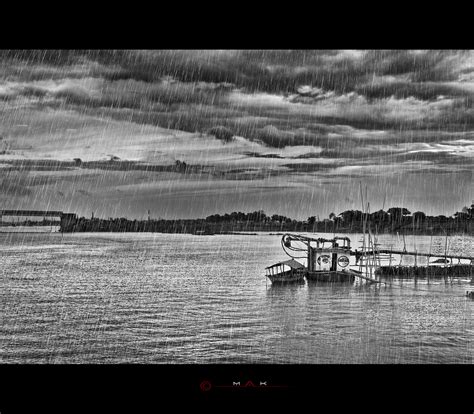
316, 122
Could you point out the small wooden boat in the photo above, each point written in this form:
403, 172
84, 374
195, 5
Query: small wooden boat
289, 271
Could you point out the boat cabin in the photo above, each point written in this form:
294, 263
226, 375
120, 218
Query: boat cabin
329, 254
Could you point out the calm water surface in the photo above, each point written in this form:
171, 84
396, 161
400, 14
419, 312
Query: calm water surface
156, 298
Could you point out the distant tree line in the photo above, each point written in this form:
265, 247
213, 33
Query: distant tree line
395, 219
30, 223
400, 219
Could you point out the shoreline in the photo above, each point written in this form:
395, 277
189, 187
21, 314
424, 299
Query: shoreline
234, 233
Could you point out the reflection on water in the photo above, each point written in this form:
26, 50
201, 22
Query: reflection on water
153, 298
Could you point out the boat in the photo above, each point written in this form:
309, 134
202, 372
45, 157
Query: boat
289, 271
329, 261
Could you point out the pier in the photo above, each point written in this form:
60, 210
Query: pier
66, 219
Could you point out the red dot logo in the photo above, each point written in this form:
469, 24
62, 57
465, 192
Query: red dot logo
205, 386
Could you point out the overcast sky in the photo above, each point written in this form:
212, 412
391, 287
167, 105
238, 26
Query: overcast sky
308, 126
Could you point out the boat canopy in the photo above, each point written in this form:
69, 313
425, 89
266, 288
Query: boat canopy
290, 263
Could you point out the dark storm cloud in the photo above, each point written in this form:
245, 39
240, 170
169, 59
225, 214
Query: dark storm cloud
420, 65
268, 71
438, 157
423, 75
134, 94
13, 188
425, 91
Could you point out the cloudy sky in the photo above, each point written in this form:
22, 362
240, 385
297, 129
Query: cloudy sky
308, 127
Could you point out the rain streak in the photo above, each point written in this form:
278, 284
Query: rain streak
225, 206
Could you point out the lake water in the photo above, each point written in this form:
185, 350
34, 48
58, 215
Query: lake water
168, 298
